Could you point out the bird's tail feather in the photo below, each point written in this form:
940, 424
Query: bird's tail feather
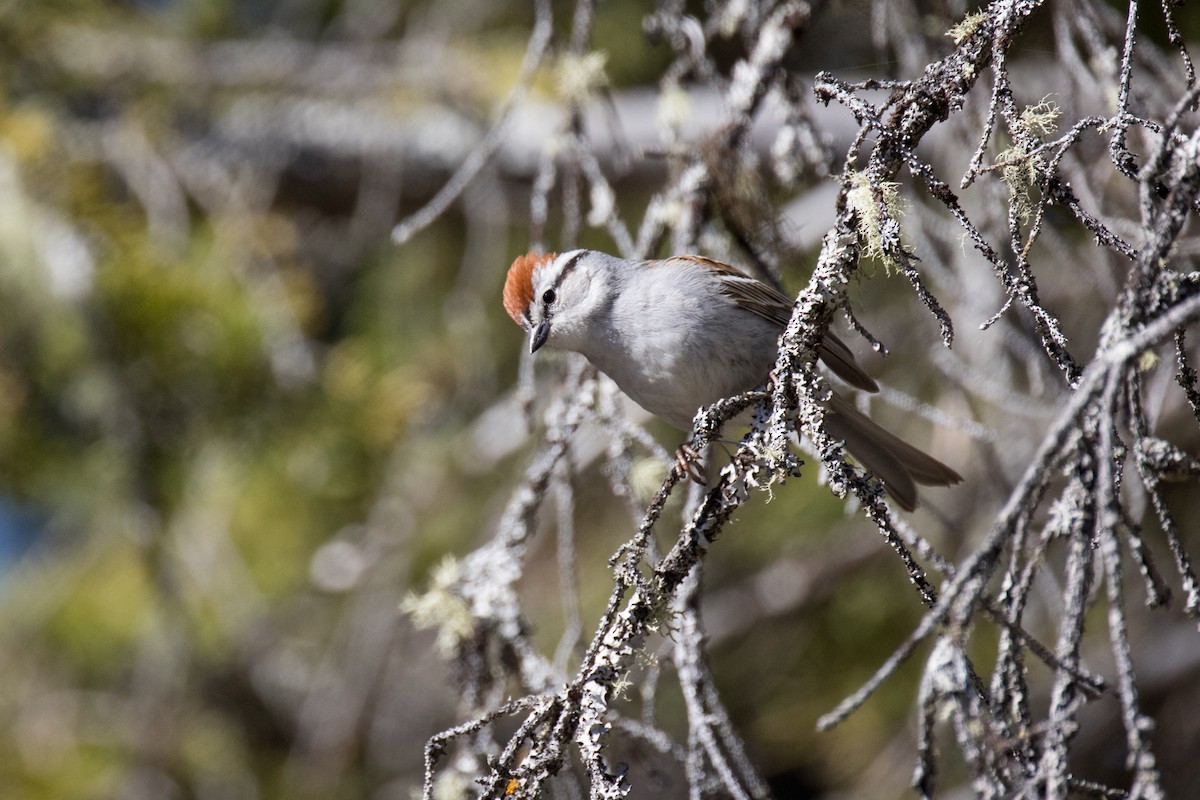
897, 463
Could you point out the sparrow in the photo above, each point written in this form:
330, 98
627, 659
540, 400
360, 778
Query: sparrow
680, 333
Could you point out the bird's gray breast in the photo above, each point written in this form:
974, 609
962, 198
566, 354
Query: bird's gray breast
673, 343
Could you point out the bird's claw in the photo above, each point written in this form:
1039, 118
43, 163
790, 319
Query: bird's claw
687, 464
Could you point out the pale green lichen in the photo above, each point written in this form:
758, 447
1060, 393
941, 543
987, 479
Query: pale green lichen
1022, 166
441, 607
771, 463
1041, 119
873, 207
452, 785
645, 476
674, 108
579, 76
969, 24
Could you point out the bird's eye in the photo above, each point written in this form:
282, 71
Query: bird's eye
549, 296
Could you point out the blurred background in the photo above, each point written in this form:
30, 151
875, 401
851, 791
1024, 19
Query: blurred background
238, 424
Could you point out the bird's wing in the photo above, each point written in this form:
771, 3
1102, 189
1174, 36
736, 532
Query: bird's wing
837, 356
765, 301
897, 463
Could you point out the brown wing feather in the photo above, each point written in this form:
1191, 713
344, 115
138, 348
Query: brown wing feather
763, 300
751, 294
837, 357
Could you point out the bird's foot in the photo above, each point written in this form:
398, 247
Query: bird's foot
688, 464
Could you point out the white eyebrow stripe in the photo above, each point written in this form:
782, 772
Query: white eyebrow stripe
566, 268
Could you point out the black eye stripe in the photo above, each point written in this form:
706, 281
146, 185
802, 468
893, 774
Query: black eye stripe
551, 293
570, 265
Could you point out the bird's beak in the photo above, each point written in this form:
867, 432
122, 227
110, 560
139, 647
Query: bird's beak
539, 335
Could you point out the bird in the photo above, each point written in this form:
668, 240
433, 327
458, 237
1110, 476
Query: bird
678, 334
